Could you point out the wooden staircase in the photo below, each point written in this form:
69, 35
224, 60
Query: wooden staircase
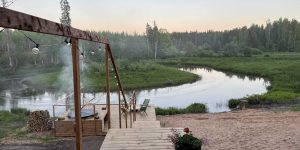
145, 134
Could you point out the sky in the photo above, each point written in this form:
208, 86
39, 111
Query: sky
131, 16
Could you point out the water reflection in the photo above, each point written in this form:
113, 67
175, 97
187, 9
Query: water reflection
214, 89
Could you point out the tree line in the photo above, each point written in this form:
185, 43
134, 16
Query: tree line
282, 35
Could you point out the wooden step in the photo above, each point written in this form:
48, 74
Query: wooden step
146, 124
138, 138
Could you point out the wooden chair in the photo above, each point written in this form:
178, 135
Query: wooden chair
144, 106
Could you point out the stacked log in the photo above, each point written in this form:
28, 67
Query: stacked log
38, 121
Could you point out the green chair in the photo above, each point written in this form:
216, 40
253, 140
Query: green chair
144, 106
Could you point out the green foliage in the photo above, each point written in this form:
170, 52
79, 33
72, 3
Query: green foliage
231, 49
20, 111
16, 114
296, 108
169, 111
11, 121
245, 41
188, 142
196, 108
193, 108
233, 103
134, 75
274, 97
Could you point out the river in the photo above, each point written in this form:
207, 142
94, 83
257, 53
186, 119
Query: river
214, 89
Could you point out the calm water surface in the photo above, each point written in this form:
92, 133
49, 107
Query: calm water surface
214, 89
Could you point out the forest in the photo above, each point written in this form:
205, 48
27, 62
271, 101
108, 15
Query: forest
282, 35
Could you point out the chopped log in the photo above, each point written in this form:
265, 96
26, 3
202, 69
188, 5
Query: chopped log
38, 121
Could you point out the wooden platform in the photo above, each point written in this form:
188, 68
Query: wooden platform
145, 134
65, 127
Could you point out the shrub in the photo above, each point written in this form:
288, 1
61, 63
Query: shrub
16, 114
20, 111
274, 97
233, 103
193, 108
196, 108
254, 99
296, 108
186, 141
168, 111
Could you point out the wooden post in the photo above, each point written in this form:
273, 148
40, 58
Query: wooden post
242, 104
77, 101
107, 86
126, 122
130, 114
119, 97
134, 106
54, 120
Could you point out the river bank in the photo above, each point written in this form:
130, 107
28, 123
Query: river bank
134, 75
282, 69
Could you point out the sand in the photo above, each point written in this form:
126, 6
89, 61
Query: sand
251, 129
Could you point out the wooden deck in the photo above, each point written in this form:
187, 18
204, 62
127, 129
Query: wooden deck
145, 134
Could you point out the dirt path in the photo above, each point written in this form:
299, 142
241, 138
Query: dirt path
252, 129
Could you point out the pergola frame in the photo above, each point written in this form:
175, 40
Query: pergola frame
20, 21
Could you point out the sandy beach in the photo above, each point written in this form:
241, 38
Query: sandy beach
251, 129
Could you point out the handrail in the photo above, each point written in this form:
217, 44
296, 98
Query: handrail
117, 76
134, 106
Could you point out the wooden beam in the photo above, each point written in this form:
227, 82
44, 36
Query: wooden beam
107, 86
77, 101
117, 74
17, 20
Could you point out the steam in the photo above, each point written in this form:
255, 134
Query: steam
66, 74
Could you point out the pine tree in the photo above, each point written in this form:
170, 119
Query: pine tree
6, 3
65, 15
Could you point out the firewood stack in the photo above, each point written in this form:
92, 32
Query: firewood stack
38, 121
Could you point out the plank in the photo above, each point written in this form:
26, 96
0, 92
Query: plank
21, 21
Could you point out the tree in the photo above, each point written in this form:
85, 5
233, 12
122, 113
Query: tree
7, 3
155, 36
65, 15
149, 37
7, 37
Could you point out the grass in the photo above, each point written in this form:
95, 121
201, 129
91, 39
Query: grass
10, 122
193, 108
233, 103
282, 69
13, 124
134, 75
296, 108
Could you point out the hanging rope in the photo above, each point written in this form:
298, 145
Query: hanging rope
29, 38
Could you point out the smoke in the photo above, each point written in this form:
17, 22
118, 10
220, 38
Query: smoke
66, 75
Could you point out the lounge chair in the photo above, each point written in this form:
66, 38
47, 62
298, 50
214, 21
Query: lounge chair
144, 106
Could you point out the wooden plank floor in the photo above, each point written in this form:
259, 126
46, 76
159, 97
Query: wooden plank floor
145, 134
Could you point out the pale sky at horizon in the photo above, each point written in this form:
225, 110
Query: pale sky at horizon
174, 15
